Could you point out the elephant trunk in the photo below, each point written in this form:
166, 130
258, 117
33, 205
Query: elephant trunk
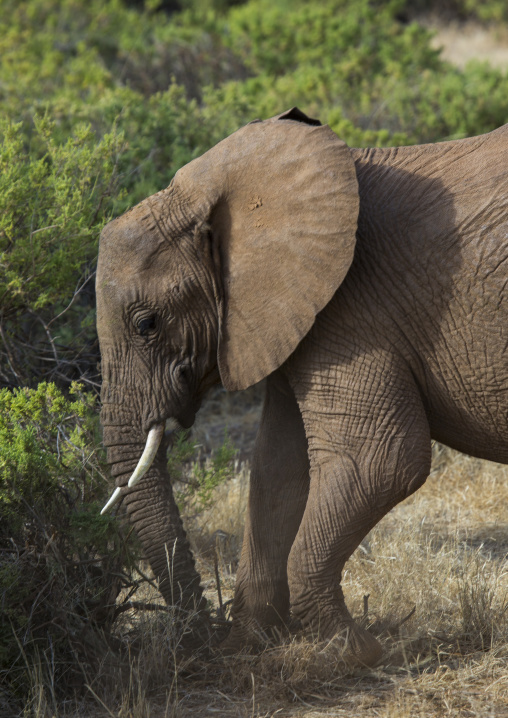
153, 512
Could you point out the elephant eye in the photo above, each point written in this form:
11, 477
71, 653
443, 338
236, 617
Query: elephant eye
145, 325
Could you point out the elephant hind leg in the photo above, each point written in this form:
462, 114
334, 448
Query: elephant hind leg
278, 493
363, 464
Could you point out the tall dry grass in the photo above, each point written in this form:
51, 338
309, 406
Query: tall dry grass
436, 576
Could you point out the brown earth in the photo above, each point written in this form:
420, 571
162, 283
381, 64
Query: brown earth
462, 42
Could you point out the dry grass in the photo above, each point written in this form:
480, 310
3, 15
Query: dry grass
436, 576
440, 556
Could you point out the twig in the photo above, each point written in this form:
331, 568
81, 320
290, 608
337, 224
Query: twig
99, 700
10, 360
149, 581
366, 606
76, 294
140, 606
411, 613
220, 612
48, 333
42, 229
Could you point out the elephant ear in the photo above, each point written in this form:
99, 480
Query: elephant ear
282, 200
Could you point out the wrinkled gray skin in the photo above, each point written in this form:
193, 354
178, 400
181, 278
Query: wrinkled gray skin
373, 342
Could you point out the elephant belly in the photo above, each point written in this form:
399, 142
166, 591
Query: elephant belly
471, 414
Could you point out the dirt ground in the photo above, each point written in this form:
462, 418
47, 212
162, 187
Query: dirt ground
462, 42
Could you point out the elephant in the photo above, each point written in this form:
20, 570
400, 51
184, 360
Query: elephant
368, 287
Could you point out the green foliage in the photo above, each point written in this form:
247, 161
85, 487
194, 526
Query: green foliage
375, 80
54, 199
195, 485
51, 211
61, 563
212, 473
75, 56
362, 38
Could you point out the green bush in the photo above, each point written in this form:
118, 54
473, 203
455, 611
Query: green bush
375, 80
62, 565
66, 572
196, 480
72, 56
358, 35
54, 200
65, 187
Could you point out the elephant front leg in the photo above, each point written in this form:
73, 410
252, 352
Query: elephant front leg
362, 464
278, 494
152, 510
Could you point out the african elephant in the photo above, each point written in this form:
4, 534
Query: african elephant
368, 285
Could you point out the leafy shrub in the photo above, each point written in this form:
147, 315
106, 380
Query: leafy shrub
54, 199
375, 80
359, 35
62, 565
196, 480
74, 55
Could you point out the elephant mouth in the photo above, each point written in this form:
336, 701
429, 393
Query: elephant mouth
187, 415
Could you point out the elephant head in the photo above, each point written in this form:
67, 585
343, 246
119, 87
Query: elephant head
216, 278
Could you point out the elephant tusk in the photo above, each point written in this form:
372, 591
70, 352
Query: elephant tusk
112, 501
152, 445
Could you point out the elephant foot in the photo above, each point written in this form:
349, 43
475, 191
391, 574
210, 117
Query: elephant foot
327, 619
354, 646
350, 644
250, 637
231, 646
